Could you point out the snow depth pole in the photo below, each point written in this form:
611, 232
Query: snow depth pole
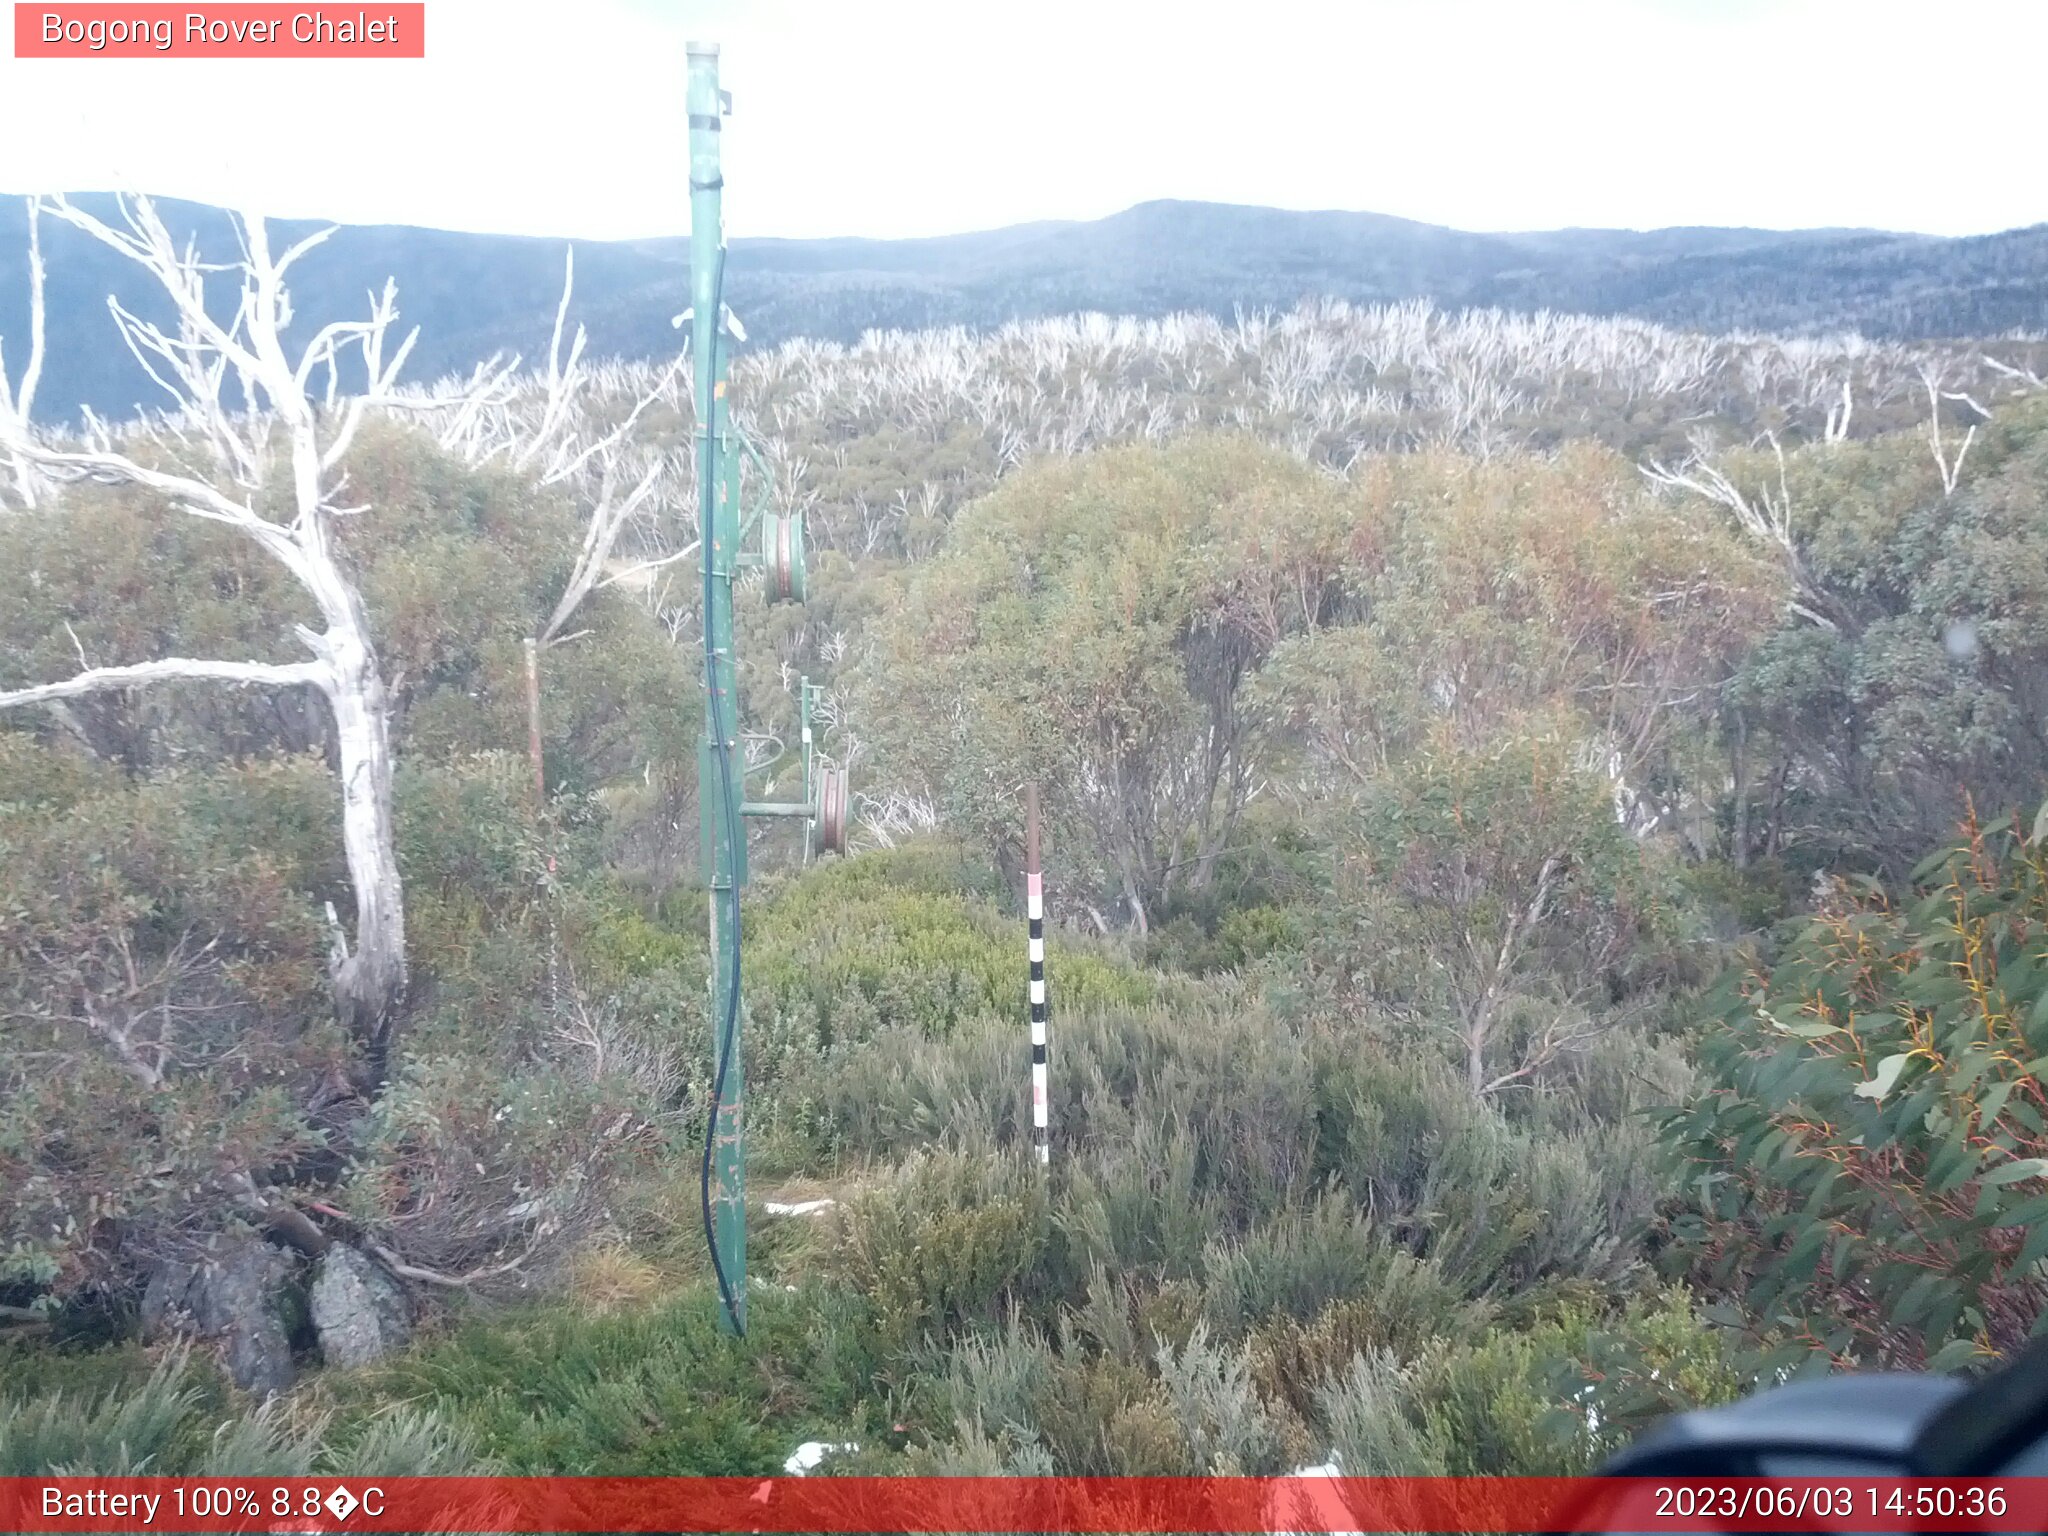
722, 844
1034, 913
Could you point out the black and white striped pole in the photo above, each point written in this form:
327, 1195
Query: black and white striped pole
1034, 911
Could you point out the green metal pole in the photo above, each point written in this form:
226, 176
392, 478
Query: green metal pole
719, 770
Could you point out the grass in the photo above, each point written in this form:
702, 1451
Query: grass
646, 1389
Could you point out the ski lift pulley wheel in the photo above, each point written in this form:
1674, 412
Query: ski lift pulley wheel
828, 825
782, 554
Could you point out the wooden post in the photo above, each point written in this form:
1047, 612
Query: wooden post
540, 782
1034, 912
540, 807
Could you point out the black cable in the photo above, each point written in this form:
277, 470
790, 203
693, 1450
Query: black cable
706, 492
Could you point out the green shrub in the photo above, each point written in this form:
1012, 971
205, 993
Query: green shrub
1496, 1206
1364, 1410
1302, 1262
161, 989
176, 1419
1230, 1430
1137, 1208
892, 939
1553, 1398
995, 1382
1235, 1081
639, 1392
1558, 1397
953, 1237
901, 1090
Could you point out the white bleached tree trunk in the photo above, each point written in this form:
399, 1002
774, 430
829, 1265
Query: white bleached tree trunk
557, 436
1766, 517
266, 461
575, 455
17, 401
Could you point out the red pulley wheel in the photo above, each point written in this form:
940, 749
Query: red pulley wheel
785, 577
829, 827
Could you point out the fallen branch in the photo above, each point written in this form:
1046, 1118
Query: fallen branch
405, 1271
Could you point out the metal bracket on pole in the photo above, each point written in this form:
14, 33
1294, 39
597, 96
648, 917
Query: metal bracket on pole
825, 802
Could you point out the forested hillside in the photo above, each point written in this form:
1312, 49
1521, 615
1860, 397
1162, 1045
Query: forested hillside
475, 295
1542, 853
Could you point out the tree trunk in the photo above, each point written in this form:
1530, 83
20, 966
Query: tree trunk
1739, 752
1137, 902
1774, 841
370, 982
534, 756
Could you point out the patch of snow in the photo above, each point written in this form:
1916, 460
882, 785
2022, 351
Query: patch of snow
798, 1207
1585, 1395
1286, 1505
806, 1457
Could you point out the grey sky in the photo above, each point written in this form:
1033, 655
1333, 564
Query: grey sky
912, 117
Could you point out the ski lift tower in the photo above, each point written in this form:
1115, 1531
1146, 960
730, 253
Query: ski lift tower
721, 761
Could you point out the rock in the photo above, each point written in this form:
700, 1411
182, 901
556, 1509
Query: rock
359, 1310
231, 1296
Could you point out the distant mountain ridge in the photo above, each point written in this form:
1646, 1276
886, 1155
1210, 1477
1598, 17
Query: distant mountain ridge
473, 295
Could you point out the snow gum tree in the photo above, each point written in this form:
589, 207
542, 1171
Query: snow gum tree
256, 441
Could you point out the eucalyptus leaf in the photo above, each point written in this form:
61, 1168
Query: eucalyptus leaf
2014, 1171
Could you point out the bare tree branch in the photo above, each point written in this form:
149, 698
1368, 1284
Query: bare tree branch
406, 1271
2026, 376
1766, 517
16, 403
1837, 428
1931, 378
170, 669
607, 517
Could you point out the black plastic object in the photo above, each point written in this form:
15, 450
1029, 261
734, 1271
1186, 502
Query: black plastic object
1878, 1425
1847, 1424
1837, 1426
1999, 1428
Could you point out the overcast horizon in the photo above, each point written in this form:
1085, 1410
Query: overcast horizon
314, 214
908, 118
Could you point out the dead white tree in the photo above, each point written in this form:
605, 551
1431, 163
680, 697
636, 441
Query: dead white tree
270, 467
1765, 516
554, 430
900, 813
1836, 429
1931, 378
2024, 376
16, 402
575, 453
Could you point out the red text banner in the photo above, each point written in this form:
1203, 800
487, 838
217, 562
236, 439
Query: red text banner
1018, 1505
230, 31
